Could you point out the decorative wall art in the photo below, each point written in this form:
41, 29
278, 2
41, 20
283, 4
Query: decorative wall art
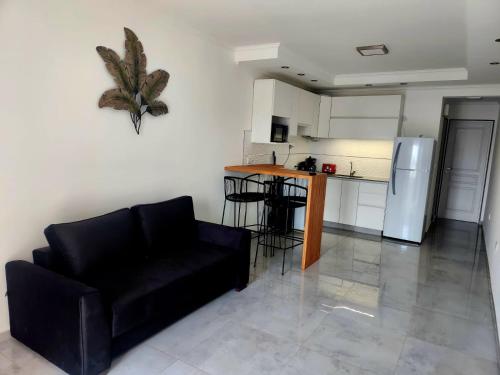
137, 91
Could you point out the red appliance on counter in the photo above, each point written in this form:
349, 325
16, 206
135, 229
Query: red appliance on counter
329, 168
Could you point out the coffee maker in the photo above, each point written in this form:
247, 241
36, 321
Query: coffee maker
307, 165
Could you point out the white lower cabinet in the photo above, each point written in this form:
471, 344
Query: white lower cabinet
370, 217
332, 200
355, 203
349, 202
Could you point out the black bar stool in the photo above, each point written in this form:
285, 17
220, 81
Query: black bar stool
243, 190
281, 199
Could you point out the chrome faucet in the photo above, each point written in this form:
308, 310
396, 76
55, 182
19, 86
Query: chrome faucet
351, 172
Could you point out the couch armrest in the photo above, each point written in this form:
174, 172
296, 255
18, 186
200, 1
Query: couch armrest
61, 319
238, 239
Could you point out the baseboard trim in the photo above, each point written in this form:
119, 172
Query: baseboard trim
330, 224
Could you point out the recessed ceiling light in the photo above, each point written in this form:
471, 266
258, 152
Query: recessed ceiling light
403, 83
301, 74
314, 80
285, 67
378, 49
368, 85
494, 63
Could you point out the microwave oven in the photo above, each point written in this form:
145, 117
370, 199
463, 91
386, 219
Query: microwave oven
279, 133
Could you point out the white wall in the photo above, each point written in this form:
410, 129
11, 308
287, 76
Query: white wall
62, 158
491, 224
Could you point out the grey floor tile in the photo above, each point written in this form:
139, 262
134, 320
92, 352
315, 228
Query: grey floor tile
142, 359
460, 334
423, 358
181, 368
363, 345
239, 349
307, 361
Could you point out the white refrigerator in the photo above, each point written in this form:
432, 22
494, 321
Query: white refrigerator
408, 188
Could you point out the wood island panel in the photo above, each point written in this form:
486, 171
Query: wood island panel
313, 226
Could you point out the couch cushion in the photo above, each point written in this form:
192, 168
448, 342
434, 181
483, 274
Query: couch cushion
86, 245
167, 226
136, 294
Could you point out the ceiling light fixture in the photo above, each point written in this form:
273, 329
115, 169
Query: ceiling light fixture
301, 74
494, 63
285, 67
377, 49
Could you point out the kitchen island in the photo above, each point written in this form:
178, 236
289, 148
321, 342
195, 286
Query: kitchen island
316, 184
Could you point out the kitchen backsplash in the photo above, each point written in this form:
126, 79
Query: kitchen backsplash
369, 158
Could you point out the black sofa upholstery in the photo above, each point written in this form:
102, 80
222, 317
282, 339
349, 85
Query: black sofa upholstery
107, 283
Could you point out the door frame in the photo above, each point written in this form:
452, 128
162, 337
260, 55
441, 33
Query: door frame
447, 126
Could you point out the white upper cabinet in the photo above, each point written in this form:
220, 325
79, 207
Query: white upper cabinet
285, 97
292, 105
367, 106
308, 108
364, 128
365, 117
325, 108
263, 109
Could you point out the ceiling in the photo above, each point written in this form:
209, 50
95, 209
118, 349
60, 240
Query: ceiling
420, 34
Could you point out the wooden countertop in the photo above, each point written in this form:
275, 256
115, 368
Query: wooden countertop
316, 186
270, 169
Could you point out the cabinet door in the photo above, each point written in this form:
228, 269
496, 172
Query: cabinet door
308, 103
371, 205
370, 217
367, 106
364, 128
284, 99
349, 202
372, 194
325, 107
332, 200
262, 112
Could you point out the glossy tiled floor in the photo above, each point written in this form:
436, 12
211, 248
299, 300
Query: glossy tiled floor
367, 307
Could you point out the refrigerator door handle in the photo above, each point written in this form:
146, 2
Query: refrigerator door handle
394, 167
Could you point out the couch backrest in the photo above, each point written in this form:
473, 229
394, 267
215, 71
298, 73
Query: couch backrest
86, 245
166, 226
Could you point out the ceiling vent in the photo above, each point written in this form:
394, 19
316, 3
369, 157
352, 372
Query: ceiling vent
375, 50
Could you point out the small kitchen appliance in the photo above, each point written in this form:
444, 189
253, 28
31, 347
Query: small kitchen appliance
329, 168
279, 133
307, 165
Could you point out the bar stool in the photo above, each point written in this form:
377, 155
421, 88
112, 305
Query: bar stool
243, 190
279, 197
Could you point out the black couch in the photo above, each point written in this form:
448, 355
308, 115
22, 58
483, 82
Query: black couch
109, 282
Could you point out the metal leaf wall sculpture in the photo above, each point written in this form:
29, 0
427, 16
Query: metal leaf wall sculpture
137, 91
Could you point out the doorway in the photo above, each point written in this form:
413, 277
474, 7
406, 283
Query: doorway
467, 146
